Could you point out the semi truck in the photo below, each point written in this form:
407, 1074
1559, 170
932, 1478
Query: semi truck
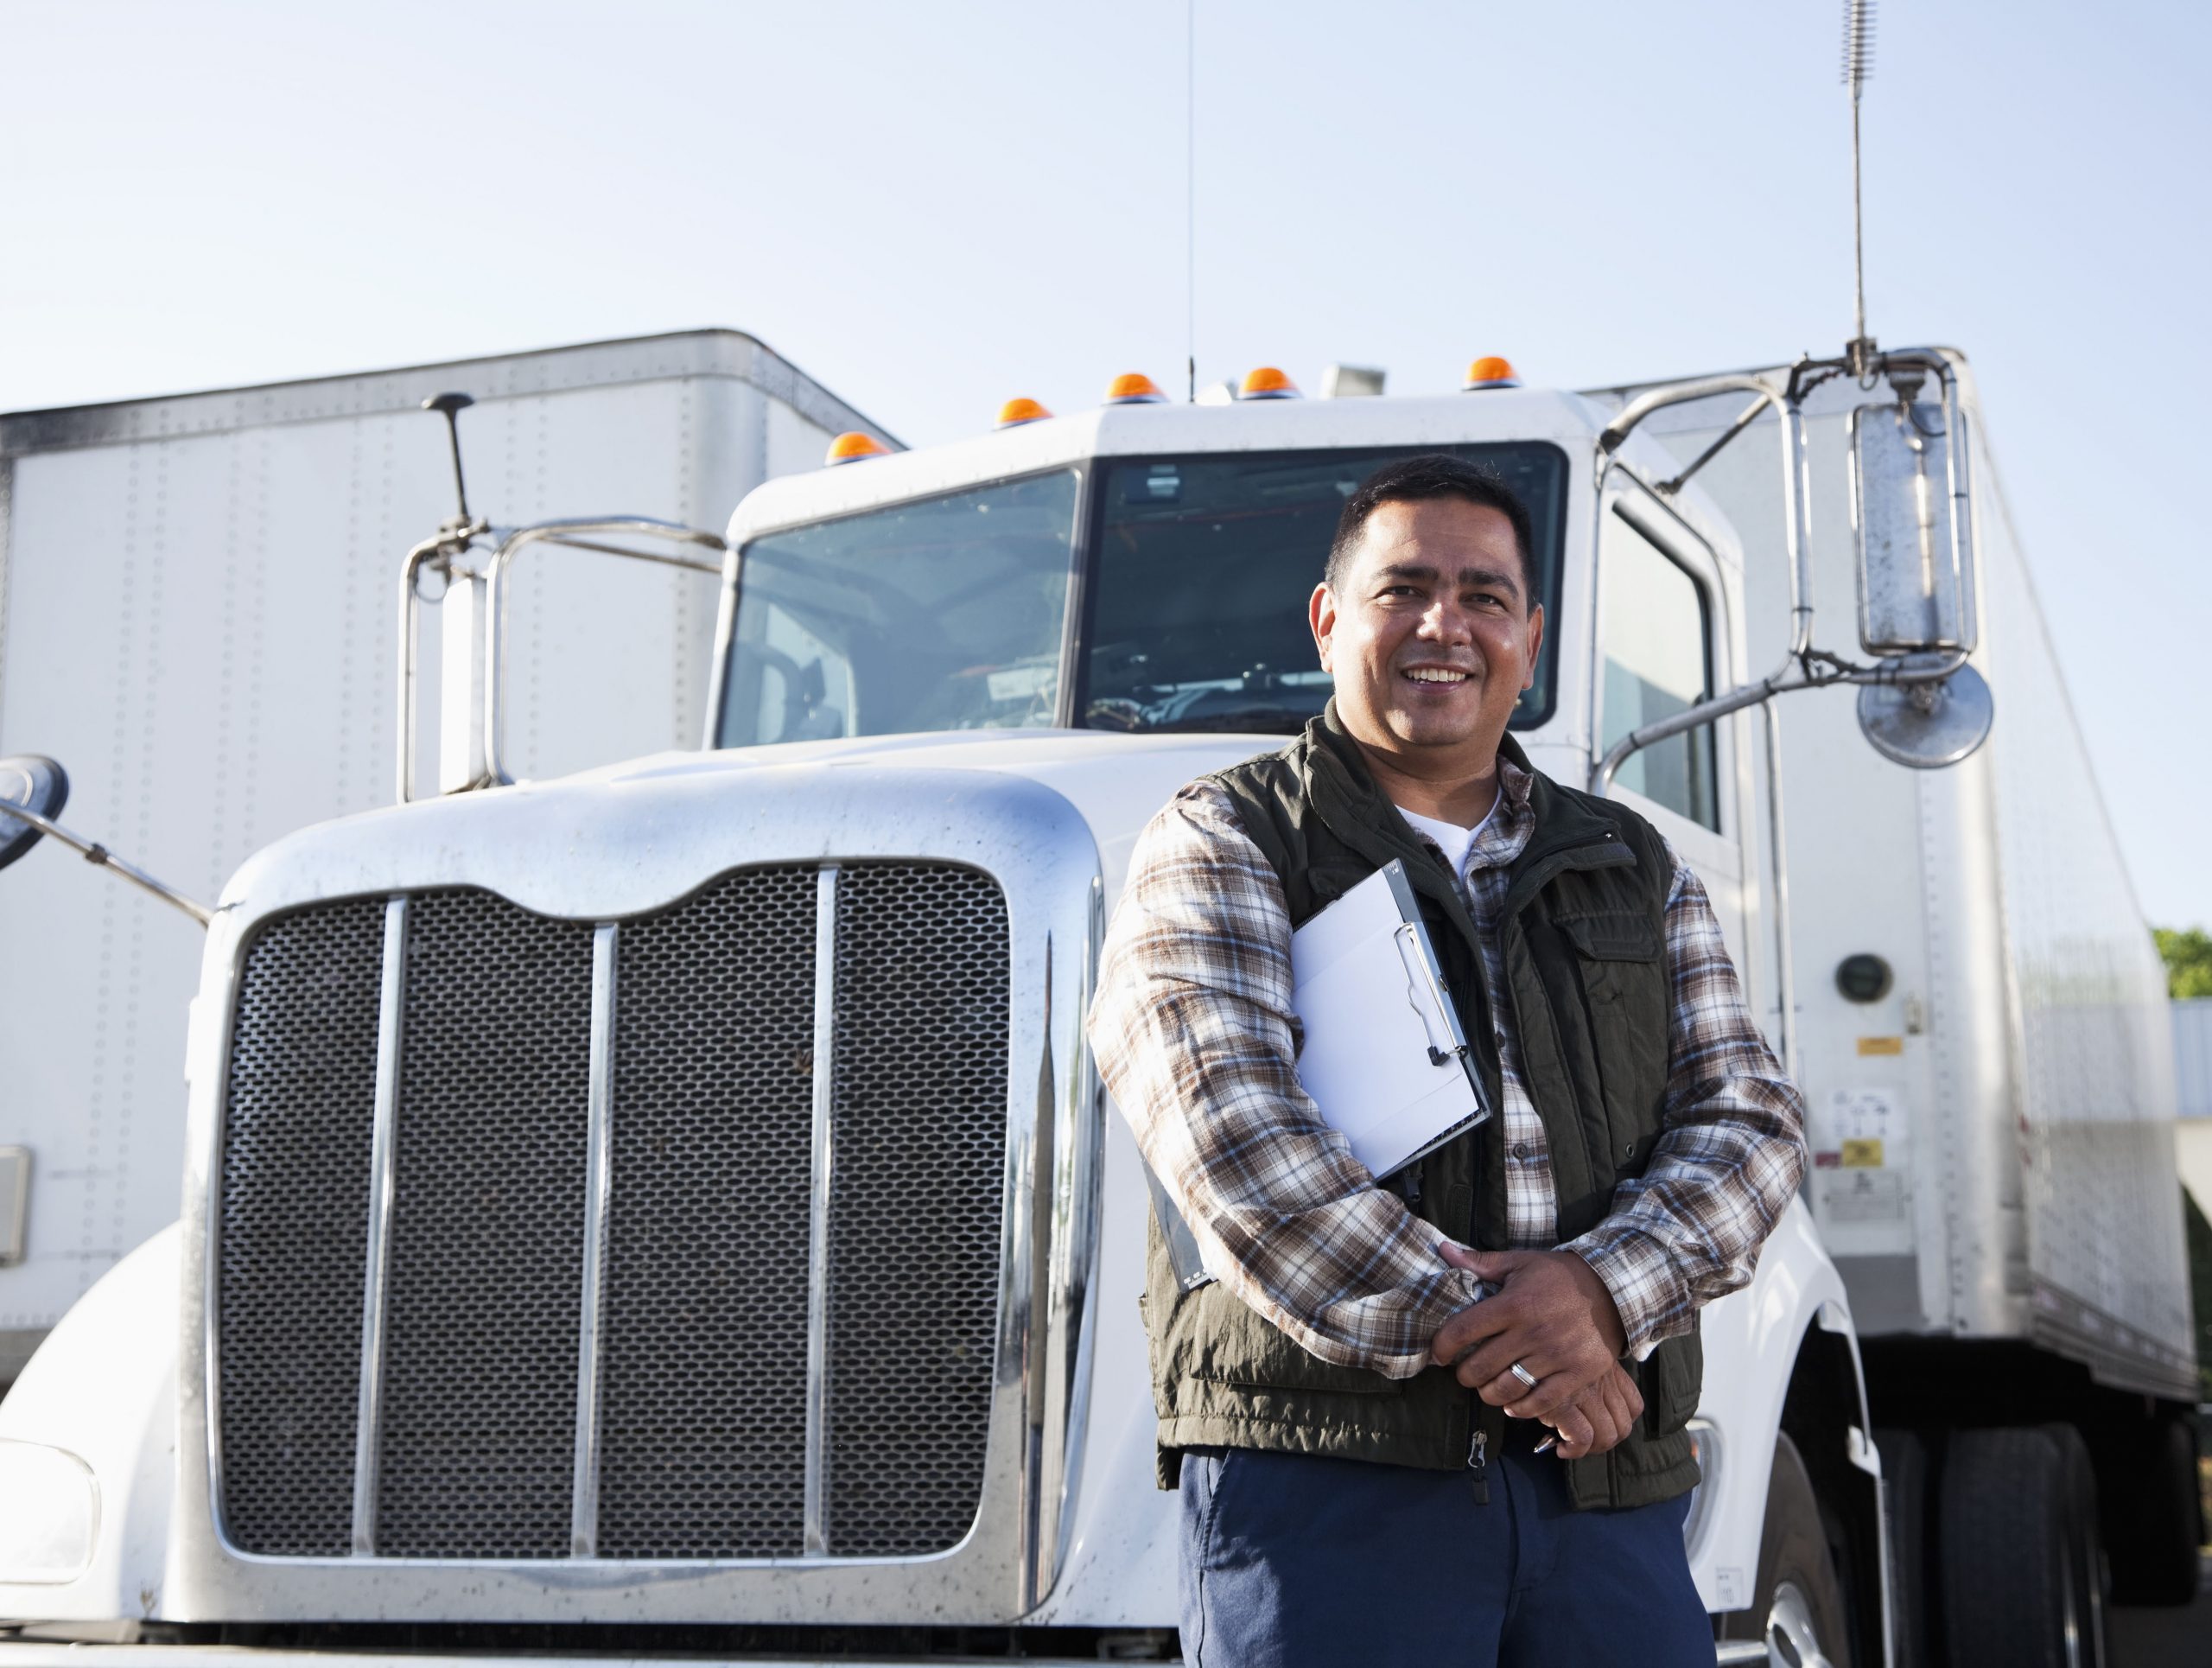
669, 1207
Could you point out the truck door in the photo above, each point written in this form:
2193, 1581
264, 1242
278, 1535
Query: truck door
1663, 644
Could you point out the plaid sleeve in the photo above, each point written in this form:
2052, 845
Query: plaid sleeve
1730, 1155
1194, 1034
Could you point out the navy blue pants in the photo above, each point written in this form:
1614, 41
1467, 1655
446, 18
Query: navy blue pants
1290, 1561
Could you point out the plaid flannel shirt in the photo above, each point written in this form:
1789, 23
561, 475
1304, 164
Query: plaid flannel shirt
1194, 1034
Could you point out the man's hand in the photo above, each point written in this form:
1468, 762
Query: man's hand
1602, 1419
1551, 1314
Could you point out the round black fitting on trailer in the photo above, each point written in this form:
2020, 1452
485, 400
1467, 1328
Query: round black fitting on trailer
1864, 978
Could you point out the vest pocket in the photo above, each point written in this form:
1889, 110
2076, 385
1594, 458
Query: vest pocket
1234, 1346
1614, 952
1619, 960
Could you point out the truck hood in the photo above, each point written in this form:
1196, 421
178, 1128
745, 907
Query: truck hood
610, 842
532, 841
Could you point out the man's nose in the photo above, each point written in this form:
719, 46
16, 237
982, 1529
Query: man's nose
1447, 622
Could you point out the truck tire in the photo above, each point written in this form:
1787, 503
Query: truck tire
2010, 1549
2153, 1516
2086, 1544
1905, 1487
1798, 1609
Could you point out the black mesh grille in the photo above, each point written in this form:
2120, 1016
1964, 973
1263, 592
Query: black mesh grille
292, 1243
486, 1253
915, 1207
704, 1301
703, 1350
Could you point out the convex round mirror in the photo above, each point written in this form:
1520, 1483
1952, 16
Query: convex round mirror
37, 784
1927, 726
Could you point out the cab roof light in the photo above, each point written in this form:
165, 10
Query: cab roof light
1015, 413
852, 446
1490, 371
1134, 388
1268, 383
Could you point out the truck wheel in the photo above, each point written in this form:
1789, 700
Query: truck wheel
2014, 1588
1904, 1486
2151, 1516
1798, 1609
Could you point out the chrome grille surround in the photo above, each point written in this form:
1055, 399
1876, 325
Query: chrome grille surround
664, 837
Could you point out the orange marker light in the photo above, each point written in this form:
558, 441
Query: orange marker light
1015, 413
1490, 371
1134, 388
1268, 383
852, 446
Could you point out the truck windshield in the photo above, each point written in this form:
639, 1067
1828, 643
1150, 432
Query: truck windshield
941, 614
950, 613
1201, 570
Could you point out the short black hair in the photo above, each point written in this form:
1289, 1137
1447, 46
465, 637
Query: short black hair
1433, 474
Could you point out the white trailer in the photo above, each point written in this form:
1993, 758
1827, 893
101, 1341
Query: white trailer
196, 615
671, 1207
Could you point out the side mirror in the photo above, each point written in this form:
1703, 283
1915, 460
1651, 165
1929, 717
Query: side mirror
1912, 512
38, 785
1928, 726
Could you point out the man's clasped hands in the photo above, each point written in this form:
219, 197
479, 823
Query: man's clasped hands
1550, 1313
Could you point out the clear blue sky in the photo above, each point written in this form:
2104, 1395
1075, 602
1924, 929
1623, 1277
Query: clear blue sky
931, 207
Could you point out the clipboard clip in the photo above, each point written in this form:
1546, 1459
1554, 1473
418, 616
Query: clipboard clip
1418, 972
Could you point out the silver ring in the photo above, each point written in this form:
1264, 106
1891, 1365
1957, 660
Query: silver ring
1522, 1374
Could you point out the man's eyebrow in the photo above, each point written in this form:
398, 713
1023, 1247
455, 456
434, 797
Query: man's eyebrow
1496, 578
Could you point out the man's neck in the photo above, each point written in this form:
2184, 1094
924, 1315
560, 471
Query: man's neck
1455, 796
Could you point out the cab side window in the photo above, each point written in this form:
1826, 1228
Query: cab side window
1654, 635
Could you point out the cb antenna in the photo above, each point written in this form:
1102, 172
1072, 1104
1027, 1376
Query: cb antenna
450, 406
1858, 68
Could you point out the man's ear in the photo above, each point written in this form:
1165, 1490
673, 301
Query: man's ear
1321, 614
1536, 644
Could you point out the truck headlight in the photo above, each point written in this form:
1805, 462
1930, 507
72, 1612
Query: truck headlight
49, 1513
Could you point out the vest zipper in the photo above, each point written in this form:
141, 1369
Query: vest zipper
1478, 1464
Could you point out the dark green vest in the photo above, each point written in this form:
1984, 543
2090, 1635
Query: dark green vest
1582, 937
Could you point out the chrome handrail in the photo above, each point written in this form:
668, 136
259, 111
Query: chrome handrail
444, 550
565, 533
451, 541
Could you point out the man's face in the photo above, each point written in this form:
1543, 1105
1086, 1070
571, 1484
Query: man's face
1431, 636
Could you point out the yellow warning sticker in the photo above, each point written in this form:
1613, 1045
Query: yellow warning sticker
1881, 1045
1862, 1155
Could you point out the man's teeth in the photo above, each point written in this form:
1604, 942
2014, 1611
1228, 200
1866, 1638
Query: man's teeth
1436, 675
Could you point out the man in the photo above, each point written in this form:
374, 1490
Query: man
1352, 1410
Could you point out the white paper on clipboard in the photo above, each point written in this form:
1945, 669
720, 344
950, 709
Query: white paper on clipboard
1384, 1059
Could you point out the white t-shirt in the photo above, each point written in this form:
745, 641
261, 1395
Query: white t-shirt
1455, 841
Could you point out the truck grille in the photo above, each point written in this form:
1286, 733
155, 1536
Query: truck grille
692, 1333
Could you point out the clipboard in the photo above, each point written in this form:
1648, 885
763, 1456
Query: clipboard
1384, 1058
